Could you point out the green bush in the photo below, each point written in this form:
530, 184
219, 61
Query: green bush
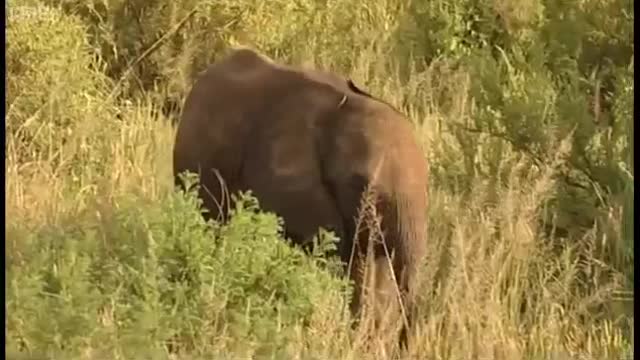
544, 72
135, 278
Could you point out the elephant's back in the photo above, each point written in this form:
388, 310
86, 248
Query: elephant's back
231, 101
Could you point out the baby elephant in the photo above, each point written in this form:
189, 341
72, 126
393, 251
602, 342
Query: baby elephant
309, 145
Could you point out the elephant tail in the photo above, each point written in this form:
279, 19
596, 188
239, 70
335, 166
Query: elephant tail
410, 226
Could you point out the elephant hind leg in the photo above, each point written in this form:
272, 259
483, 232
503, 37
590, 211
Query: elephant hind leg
392, 312
385, 294
376, 299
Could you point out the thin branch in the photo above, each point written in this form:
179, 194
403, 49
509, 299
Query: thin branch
503, 136
537, 159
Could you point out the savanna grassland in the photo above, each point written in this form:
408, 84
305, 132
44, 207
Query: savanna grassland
524, 110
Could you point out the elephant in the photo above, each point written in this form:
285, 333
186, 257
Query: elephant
309, 145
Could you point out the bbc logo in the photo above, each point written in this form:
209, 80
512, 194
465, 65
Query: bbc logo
29, 13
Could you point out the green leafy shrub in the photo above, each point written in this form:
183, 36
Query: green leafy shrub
557, 74
136, 278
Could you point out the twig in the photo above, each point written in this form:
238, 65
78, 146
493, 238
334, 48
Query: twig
148, 52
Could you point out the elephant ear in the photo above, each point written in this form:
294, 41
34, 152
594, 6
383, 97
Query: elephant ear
357, 90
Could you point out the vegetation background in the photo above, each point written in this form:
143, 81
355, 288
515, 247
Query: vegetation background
524, 108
